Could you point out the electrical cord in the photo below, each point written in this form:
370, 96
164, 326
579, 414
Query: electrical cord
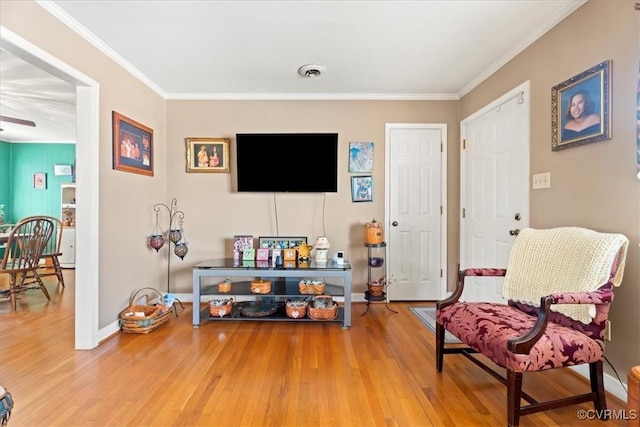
618, 376
324, 205
275, 209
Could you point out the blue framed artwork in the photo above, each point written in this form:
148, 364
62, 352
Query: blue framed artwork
360, 157
361, 189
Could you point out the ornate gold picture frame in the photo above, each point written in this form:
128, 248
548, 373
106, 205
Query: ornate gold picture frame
207, 155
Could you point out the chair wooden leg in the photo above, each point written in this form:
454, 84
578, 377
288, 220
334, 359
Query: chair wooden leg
514, 394
597, 387
439, 346
43, 288
58, 270
13, 291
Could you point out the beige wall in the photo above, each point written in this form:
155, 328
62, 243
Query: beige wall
125, 198
594, 185
214, 213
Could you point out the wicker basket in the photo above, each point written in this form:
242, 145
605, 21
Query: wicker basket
220, 308
329, 313
144, 318
296, 309
260, 286
224, 286
376, 289
309, 287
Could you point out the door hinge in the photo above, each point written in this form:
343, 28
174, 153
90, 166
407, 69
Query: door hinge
440, 210
441, 273
441, 147
463, 212
464, 144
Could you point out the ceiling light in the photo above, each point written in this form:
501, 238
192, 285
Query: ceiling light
311, 70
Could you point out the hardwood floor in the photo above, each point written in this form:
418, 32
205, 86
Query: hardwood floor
380, 372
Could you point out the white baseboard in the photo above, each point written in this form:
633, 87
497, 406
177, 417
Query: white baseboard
107, 331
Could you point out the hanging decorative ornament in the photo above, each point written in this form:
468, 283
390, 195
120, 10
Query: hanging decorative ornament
181, 248
156, 241
175, 236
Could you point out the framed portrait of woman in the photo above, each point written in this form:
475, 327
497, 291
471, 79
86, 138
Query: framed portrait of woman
581, 108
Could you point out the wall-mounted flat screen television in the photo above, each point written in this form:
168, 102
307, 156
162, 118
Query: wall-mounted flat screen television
287, 162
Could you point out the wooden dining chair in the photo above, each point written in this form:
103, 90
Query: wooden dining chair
26, 243
51, 253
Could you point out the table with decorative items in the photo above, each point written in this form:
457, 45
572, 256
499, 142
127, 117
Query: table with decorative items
298, 292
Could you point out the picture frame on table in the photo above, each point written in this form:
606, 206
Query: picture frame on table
362, 188
207, 155
132, 145
580, 108
280, 242
262, 254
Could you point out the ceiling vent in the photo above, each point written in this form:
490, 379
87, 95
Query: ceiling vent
311, 70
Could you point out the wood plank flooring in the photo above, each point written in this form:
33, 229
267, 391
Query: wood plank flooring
380, 372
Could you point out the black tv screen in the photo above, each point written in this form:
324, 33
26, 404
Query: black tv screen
287, 162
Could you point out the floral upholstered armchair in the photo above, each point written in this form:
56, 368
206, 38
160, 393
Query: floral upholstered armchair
558, 288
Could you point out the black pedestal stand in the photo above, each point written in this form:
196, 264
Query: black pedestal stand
367, 295
376, 298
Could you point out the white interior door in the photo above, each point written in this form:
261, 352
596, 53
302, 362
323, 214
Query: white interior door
494, 166
415, 210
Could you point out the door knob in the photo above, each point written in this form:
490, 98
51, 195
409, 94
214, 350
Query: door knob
517, 216
394, 223
514, 232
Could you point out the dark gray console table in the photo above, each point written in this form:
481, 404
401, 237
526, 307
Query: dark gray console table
227, 268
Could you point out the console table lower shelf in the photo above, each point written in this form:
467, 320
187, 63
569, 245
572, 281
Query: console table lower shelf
279, 315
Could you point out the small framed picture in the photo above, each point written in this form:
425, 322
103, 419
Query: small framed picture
360, 157
262, 254
208, 155
280, 242
580, 108
361, 189
290, 254
62, 170
275, 253
248, 254
132, 146
40, 181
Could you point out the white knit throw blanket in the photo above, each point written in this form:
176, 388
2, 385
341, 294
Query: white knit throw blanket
565, 259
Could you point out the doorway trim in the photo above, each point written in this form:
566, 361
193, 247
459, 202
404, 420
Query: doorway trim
87, 174
443, 188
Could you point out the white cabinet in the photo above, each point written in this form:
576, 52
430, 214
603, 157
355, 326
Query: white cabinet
68, 215
68, 248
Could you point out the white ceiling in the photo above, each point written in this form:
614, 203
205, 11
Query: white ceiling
187, 49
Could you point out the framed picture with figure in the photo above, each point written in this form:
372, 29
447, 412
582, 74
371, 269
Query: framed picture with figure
132, 146
361, 189
581, 108
208, 155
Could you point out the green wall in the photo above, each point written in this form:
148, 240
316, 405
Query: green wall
18, 163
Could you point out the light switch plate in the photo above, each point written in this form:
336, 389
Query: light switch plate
542, 180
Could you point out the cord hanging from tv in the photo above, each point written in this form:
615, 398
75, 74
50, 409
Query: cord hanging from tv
287, 162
